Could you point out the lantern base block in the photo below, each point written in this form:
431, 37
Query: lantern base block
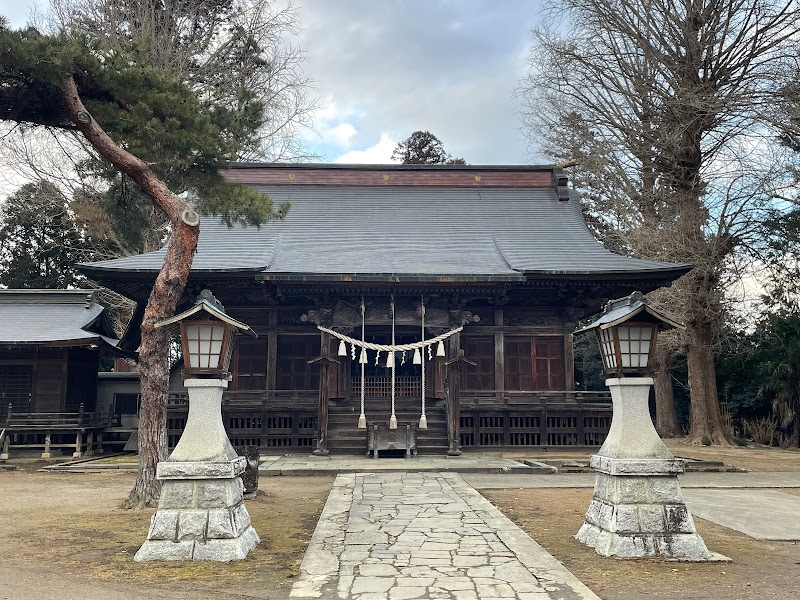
200, 514
638, 510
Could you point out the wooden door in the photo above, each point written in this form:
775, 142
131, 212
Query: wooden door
48, 394
534, 363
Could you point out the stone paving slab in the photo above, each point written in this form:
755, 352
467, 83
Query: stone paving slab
327, 465
398, 536
761, 514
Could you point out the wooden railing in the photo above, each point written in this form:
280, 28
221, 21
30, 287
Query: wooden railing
514, 397
81, 431
534, 419
55, 420
285, 419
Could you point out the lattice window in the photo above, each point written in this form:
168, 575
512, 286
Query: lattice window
480, 350
534, 363
251, 364
294, 372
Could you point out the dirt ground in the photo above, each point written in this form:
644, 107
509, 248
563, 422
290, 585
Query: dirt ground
63, 536
762, 570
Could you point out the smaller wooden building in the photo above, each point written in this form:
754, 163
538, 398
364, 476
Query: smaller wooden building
50, 346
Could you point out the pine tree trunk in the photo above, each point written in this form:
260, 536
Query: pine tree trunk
164, 298
666, 415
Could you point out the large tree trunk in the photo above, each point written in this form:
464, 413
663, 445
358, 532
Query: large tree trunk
706, 417
163, 300
666, 415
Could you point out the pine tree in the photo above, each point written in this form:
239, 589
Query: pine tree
39, 240
168, 139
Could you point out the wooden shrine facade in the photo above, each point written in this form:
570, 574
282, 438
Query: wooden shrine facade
502, 251
519, 393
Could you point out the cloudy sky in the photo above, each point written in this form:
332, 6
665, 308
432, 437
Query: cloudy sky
385, 68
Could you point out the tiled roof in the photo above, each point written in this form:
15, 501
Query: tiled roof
406, 233
52, 317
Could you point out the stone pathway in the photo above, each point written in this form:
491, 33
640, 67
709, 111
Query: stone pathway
398, 536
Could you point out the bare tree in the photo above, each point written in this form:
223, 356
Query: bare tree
662, 103
220, 48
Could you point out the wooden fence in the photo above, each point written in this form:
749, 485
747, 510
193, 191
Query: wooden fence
268, 419
534, 419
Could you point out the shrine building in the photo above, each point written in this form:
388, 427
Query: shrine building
496, 260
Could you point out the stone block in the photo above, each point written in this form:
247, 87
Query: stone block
625, 519
636, 466
177, 494
163, 525
241, 518
686, 546
192, 525
666, 490
651, 518
163, 550
227, 469
628, 490
217, 493
604, 516
593, 514
587, 534
221, 525
225, 550
678, 519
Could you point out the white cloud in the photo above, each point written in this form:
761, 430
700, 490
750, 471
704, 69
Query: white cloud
380, 153
341, 134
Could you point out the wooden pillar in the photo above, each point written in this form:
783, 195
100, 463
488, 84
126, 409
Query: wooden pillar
6, 446
90, 443
454, 370
78, 444
499, 357
46, 453
324, 361
272, 350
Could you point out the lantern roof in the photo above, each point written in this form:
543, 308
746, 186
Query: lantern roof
208, 304
624, 309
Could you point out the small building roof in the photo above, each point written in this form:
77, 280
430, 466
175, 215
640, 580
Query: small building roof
405, 223
56, 318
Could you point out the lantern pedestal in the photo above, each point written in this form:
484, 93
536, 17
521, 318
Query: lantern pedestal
200, 513
637, 509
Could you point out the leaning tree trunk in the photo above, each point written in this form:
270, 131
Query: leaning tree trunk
167, 291
666, 415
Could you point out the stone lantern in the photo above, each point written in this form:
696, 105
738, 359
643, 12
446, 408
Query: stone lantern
637, 508
200, 513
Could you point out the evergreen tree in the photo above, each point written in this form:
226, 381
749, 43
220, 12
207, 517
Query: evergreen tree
168, 139
39, 240
424, 148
